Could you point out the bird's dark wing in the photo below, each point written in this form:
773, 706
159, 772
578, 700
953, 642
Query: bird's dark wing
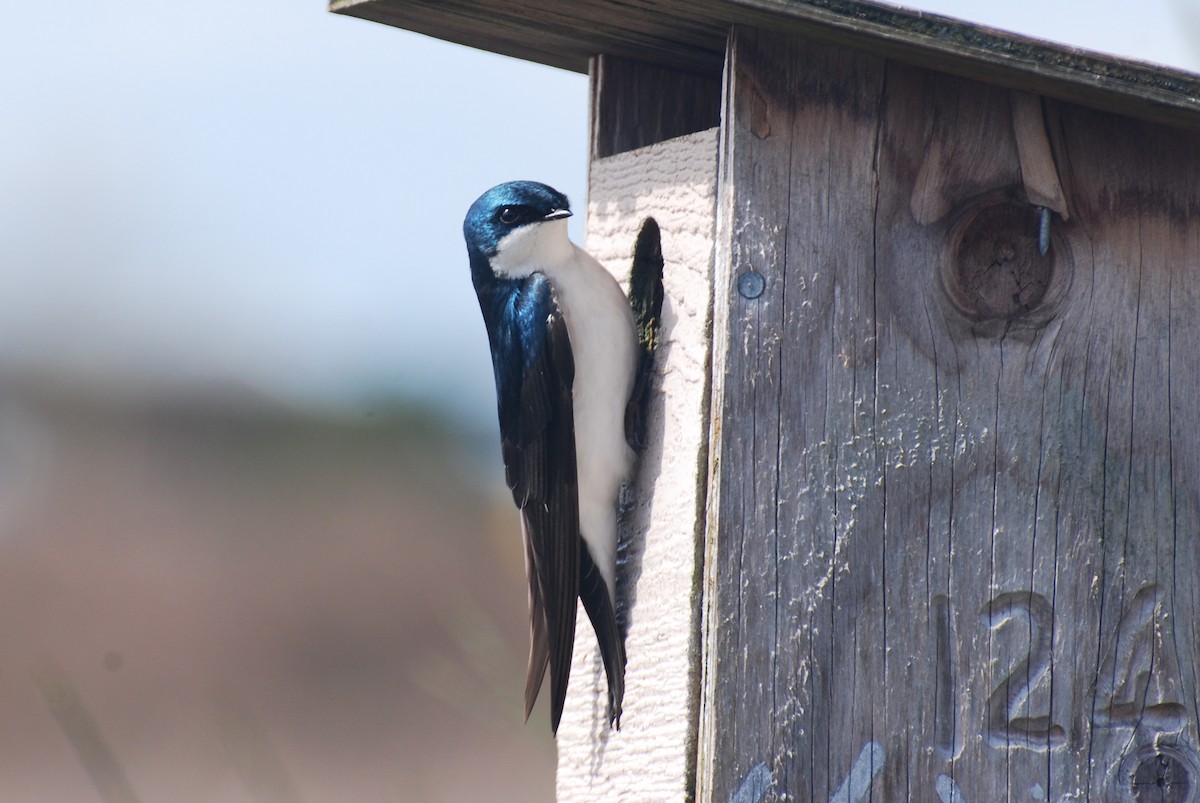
646, 299
593, 591
534, 372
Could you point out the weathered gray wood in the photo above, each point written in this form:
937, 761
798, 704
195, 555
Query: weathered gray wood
635, 104
954, 543
565, 35
690, 35
798, 167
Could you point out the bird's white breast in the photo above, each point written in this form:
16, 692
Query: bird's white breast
603, 342
604, 345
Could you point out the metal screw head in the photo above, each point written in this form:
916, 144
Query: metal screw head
1043, 230
751, 284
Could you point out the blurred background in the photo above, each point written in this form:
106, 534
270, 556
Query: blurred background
254, 539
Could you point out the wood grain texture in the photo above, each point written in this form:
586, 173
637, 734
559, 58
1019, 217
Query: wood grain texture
635, 104
954, 550
690, 35
652, 757
1038, 170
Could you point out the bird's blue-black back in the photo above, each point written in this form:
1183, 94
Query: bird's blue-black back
534, 372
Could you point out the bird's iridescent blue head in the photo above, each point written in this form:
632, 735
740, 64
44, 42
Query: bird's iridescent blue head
506, 208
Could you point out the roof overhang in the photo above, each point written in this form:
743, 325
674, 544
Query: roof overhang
691, 35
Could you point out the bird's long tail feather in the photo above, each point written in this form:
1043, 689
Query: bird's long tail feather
600, 609
539, 649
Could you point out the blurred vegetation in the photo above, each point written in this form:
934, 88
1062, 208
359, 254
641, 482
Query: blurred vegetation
251, 603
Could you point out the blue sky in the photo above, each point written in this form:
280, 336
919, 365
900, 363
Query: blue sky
265, 194
257, 192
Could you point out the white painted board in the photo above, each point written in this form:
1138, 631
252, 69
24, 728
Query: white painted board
652, 757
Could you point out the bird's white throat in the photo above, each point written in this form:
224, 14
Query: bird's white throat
531, 248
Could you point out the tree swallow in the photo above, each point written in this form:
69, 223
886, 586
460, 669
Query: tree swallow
564, 353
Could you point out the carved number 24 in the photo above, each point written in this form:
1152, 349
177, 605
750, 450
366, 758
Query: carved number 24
1124, 675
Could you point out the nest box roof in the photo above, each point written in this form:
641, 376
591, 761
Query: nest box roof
691, 35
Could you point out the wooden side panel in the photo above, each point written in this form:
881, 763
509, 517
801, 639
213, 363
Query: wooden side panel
955, 548
636, 104
799, 388
653, 756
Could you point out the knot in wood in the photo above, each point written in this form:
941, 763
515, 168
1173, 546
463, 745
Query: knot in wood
1161, 777
1159, 771
996, 270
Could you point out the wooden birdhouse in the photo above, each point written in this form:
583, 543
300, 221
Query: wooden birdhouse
920, 514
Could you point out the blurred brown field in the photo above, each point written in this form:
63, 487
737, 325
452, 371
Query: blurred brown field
230, 601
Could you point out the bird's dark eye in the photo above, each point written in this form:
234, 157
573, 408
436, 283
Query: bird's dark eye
509, 214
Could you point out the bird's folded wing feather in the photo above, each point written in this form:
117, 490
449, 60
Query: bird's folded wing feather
534, 375
593, 592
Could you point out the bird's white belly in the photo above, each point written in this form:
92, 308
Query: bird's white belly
604, 345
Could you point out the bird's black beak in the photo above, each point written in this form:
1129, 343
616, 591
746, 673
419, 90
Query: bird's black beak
557, 214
